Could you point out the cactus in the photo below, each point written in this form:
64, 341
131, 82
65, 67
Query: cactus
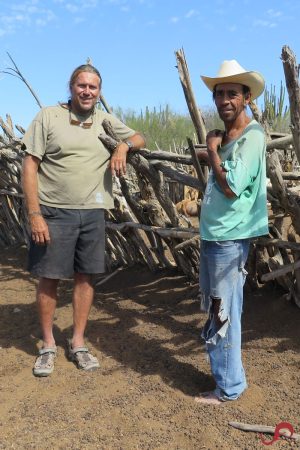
275, 111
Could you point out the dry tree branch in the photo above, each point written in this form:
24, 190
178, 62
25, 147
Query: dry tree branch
15, 72
264, 429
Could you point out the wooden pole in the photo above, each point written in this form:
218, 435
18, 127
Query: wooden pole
189, 96
197, 165
291, 72
195, 112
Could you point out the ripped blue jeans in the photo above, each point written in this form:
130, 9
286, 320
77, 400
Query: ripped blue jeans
222, 277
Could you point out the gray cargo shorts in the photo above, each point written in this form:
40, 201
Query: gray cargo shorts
77, 244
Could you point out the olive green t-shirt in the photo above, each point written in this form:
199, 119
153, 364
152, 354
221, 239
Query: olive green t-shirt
74, 169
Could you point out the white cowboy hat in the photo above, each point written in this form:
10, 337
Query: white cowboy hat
232, 72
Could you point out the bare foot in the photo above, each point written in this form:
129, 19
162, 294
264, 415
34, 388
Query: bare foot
208, 398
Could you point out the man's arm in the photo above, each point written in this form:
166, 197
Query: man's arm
38, 225
214, 140
118, 159
202, 156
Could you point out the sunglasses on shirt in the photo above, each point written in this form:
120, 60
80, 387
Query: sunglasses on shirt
78, 123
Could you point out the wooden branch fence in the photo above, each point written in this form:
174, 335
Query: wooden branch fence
145, 227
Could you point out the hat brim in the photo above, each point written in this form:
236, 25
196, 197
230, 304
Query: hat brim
254, 80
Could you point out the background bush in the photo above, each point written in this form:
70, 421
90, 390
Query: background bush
165, 129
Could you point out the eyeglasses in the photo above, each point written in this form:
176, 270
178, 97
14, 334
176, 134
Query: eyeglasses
78, 123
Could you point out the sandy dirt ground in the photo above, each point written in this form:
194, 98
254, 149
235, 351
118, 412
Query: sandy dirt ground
145, 330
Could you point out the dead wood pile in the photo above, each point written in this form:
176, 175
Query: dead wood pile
145, 226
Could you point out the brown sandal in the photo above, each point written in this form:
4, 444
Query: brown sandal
82, 357
44, 364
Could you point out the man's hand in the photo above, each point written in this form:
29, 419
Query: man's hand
39, 230
214, 140
202, 156
118, 160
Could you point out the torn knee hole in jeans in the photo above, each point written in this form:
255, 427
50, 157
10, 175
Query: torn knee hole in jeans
217, 323
218, 311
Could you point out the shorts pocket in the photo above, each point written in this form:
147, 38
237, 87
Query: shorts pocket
49, 212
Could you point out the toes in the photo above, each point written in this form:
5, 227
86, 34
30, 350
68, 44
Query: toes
208, 398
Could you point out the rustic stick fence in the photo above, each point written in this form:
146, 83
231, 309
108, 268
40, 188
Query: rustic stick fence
145, 227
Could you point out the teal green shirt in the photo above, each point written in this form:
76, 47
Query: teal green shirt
245, 215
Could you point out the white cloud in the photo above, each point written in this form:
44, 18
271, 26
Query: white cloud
88, 3
26, 13
273, 13
78, 20
148, 3
79, 4
191, 13
264, 23
41, 22
271, 19
32, 9
174, 19
132, 22
232, 28
18, 14
72, 8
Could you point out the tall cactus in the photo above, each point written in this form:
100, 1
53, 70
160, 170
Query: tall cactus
275, 111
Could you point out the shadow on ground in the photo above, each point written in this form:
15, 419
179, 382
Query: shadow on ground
147, 322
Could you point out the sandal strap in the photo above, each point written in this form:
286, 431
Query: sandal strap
79, 350
44, 350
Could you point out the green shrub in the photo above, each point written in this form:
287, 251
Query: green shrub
164, 128
167, 130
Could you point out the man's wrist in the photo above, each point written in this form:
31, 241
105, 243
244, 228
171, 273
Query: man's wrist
212, 148
123, 145
130, 144
34, 213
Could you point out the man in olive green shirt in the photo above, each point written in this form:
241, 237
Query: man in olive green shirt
67, 184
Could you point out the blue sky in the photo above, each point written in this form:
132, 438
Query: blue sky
132, 43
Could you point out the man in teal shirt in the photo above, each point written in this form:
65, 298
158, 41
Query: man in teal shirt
234, 210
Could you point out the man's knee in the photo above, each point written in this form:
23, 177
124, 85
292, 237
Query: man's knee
83, 278
47, 285
218, 311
